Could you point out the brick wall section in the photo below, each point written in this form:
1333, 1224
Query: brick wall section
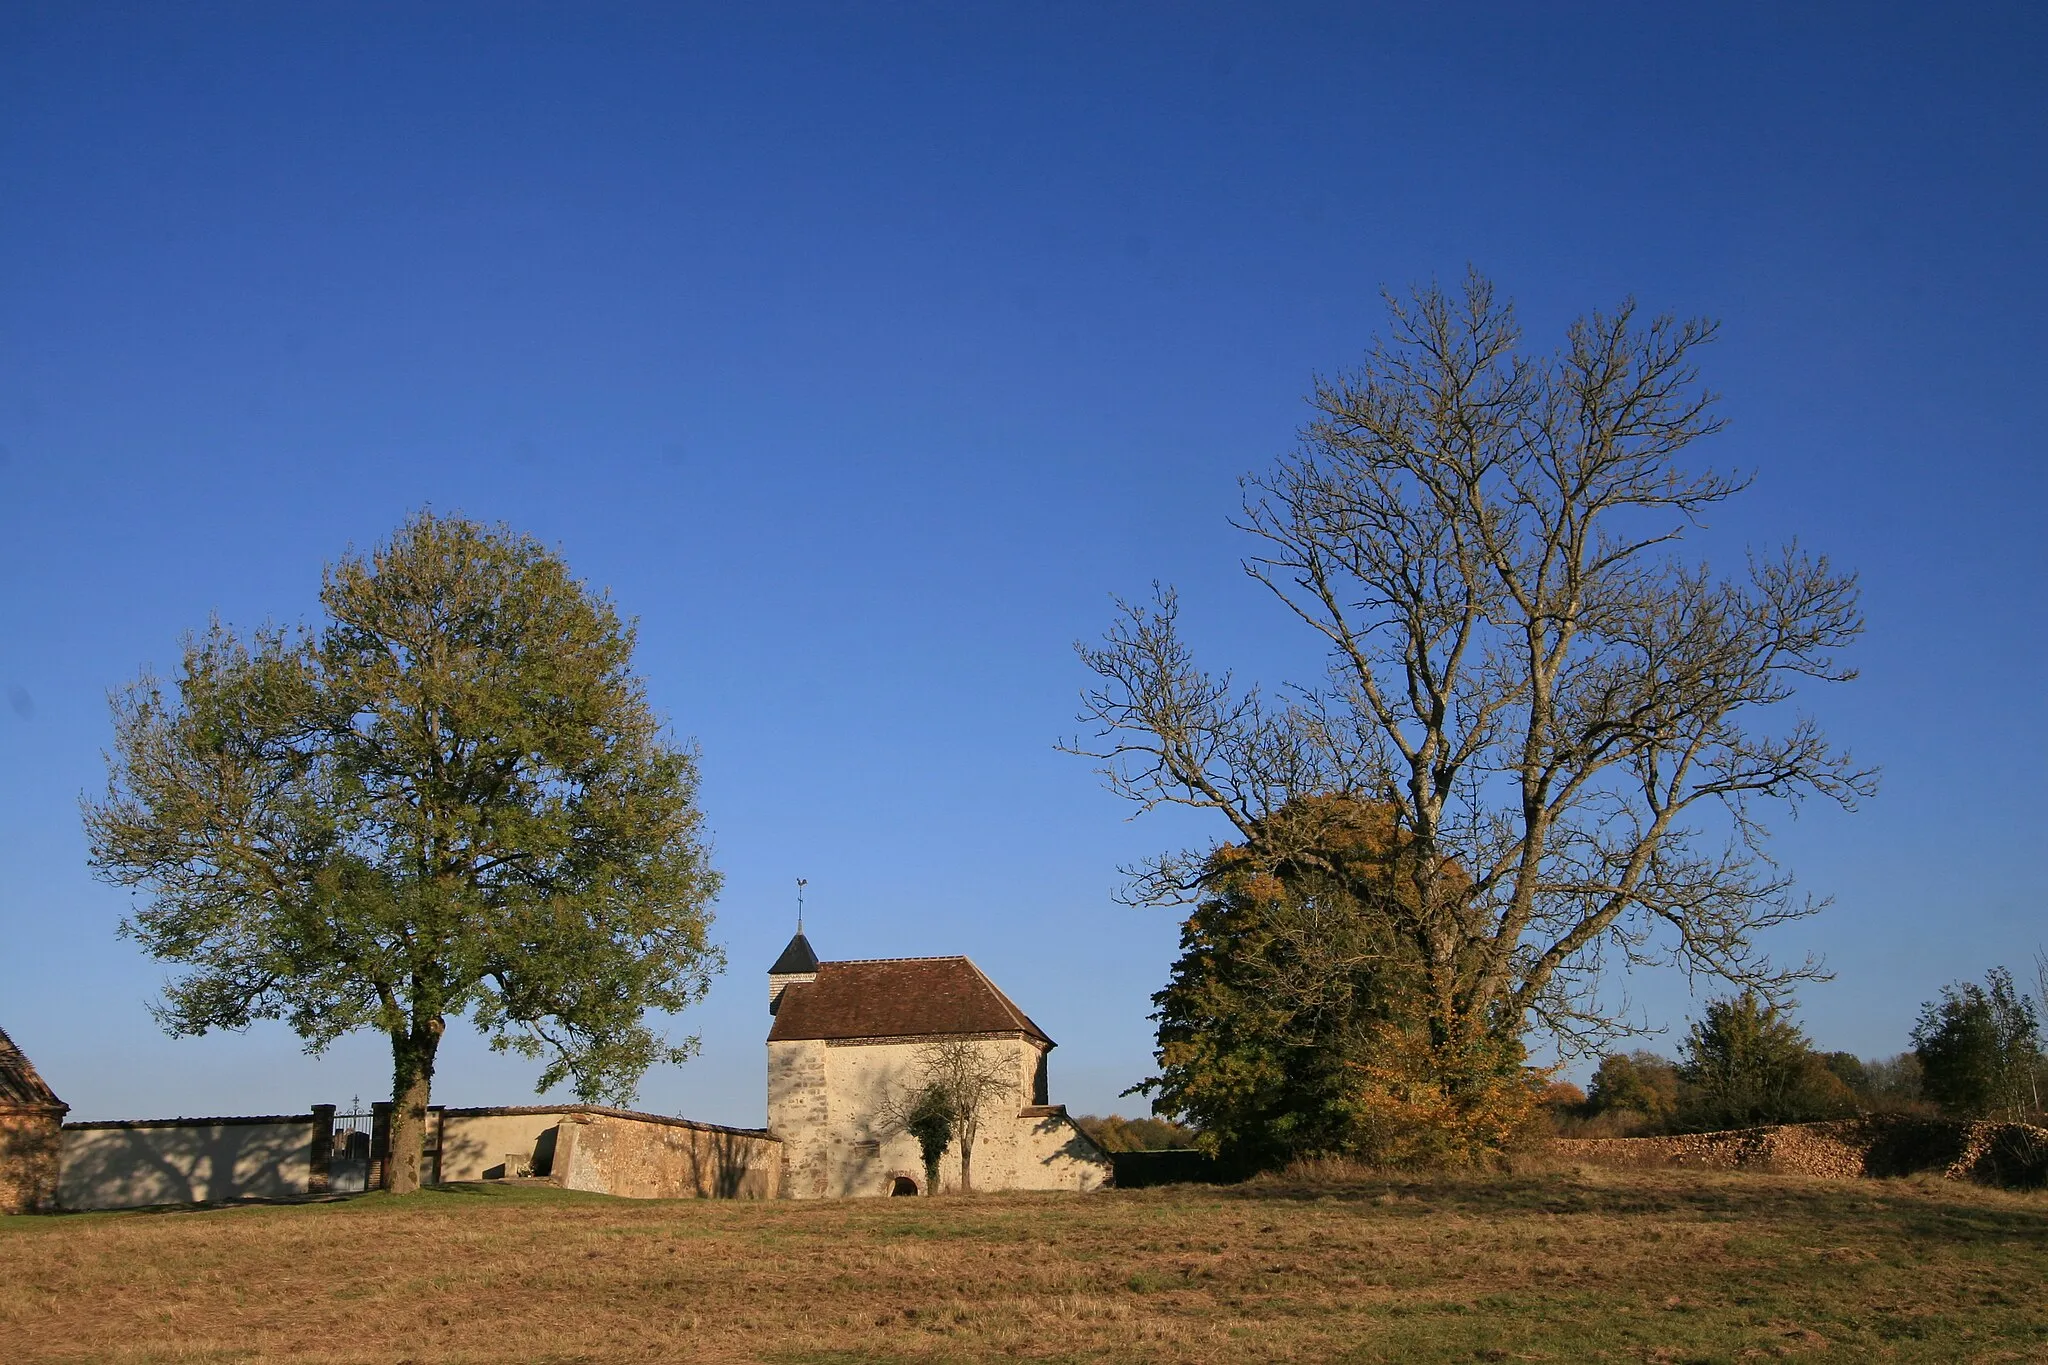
31, 1147
1873, 1146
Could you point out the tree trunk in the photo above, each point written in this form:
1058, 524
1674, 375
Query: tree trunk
412, 1068
967, 1159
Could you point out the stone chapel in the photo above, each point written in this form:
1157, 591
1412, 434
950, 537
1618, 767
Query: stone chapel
845, 1045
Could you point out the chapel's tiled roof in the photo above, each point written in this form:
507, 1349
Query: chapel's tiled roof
898, 997
20, 1086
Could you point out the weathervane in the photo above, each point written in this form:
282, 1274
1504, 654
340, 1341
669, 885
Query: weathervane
801, 883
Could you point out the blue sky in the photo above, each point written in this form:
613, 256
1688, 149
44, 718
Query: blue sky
862, 352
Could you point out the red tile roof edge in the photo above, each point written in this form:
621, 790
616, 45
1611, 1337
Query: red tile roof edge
22, 1088
1018, 1019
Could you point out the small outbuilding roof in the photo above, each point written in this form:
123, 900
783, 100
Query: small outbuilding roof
898, 997
20, 1087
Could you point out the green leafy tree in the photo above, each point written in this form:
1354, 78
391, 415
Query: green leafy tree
1850, 1070
1893, 1084
1746, 1063
1292, 1023
929, 1119
1579, 732
1640, 1083
1279, 992
452, 798
1979, 1049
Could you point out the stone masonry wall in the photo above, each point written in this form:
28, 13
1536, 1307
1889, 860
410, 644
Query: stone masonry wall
800, 1114
482, 1144
829, 1101
638, 1158
1052, 1153
1876, 1145
31, 1145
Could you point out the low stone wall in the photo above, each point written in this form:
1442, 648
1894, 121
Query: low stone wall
646, 1156
1874, 1146
137, 1162
31, 1147
134, 1163
494, 1144
1050, 1152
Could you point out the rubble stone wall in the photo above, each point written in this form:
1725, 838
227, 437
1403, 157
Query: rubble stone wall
646, 1158
799, 1113
31, 1147
832, 1104
1874, 1146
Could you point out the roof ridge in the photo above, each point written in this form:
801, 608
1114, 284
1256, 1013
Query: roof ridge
19, 1075
888, 997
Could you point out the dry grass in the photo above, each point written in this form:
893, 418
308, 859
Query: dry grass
1564, 1265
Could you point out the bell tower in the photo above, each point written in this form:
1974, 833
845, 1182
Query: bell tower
797, 964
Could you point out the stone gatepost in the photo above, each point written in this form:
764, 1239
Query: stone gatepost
380, 1145
318, 1166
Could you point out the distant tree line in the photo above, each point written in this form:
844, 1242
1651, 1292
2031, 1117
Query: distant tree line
1115, 1133
1289, 1029
1977, 1053
1266, 1081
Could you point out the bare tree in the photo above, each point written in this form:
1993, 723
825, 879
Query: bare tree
969, 1080
921, 1111
1571, 726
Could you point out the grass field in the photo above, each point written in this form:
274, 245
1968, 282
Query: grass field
1567, 1265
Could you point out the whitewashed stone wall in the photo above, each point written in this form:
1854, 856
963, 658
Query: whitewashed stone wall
826, 1101
479, 1145
184, 1161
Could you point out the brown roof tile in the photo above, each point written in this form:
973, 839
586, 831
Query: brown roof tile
20, 1086
898, 997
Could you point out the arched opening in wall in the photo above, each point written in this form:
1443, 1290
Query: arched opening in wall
902, 1184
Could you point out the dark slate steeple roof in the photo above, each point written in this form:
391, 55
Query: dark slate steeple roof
797, 959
